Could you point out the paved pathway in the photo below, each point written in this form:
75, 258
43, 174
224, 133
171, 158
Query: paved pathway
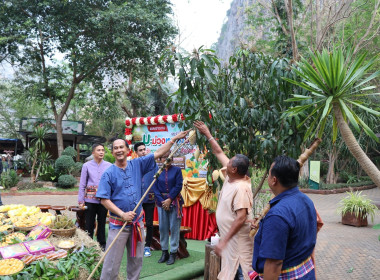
346, 252
342, 252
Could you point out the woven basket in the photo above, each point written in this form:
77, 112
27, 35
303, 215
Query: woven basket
23, 228
64, 232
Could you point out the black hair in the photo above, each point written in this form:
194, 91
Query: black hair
286, 170
96, 145
241, 162
125, 142
137, 145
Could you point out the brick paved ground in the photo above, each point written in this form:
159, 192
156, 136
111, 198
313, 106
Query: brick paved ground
345, 252
342, 252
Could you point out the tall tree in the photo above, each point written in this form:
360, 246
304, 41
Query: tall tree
94, 38
244, 99
337, 83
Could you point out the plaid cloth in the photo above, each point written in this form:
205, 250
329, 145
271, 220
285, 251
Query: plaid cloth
136, 230
290, 273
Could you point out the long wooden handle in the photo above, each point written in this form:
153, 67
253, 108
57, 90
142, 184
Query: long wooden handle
137, 206
301, 160
253, 232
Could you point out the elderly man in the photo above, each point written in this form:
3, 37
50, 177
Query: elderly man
234, 208
120, 190
287, 235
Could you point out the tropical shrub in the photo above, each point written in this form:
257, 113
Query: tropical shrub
108, 155
9, 179
70, 151
77, 169
48, 173
66, 181
64, 164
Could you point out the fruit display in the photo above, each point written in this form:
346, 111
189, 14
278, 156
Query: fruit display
6, 228
40, 255
6, 208
10, 237
62, 222
24, 211
10, 266
66, 244
23, 221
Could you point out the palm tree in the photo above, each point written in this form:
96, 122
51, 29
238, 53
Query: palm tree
39, 133
336, 85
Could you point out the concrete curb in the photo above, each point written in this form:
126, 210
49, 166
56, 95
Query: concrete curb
335, 191
15, 193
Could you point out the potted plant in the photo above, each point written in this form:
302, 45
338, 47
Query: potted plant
355, 209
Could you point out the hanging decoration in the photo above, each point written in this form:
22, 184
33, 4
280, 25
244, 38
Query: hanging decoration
130, 122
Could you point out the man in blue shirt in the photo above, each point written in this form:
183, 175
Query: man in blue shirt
169, 202
120, 191
287, 234
148, 203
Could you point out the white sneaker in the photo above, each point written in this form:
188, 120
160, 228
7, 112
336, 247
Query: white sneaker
147, 252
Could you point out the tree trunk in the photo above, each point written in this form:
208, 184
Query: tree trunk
59, 136
289, 8
348, 137
32, 176
331, 177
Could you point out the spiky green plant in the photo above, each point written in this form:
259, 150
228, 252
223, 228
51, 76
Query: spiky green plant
357, 204
337, 84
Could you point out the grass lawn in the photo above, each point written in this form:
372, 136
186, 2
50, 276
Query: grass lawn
187, 268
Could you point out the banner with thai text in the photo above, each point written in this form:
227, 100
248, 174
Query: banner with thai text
154, 136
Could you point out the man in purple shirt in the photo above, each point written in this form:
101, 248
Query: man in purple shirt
91, 173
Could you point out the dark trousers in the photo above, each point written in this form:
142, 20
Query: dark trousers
149, 212
96, 210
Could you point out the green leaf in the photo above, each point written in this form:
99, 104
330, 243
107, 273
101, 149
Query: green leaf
327, 107
376, 113
347, 112
172, 68
367, 130
210, 75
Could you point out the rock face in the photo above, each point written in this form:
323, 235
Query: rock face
235, 31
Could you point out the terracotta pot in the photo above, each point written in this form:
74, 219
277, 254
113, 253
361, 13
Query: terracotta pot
352, 220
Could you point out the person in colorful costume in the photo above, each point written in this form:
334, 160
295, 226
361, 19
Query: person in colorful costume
89, 182
120, 190
233, 212
287, 235
149, 201
169, 203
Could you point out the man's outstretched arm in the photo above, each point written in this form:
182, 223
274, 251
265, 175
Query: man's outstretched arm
216, 149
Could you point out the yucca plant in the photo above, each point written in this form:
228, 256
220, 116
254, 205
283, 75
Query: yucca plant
336, 84
357, 204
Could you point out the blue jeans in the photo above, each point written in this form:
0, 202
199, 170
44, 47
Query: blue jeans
168, 221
